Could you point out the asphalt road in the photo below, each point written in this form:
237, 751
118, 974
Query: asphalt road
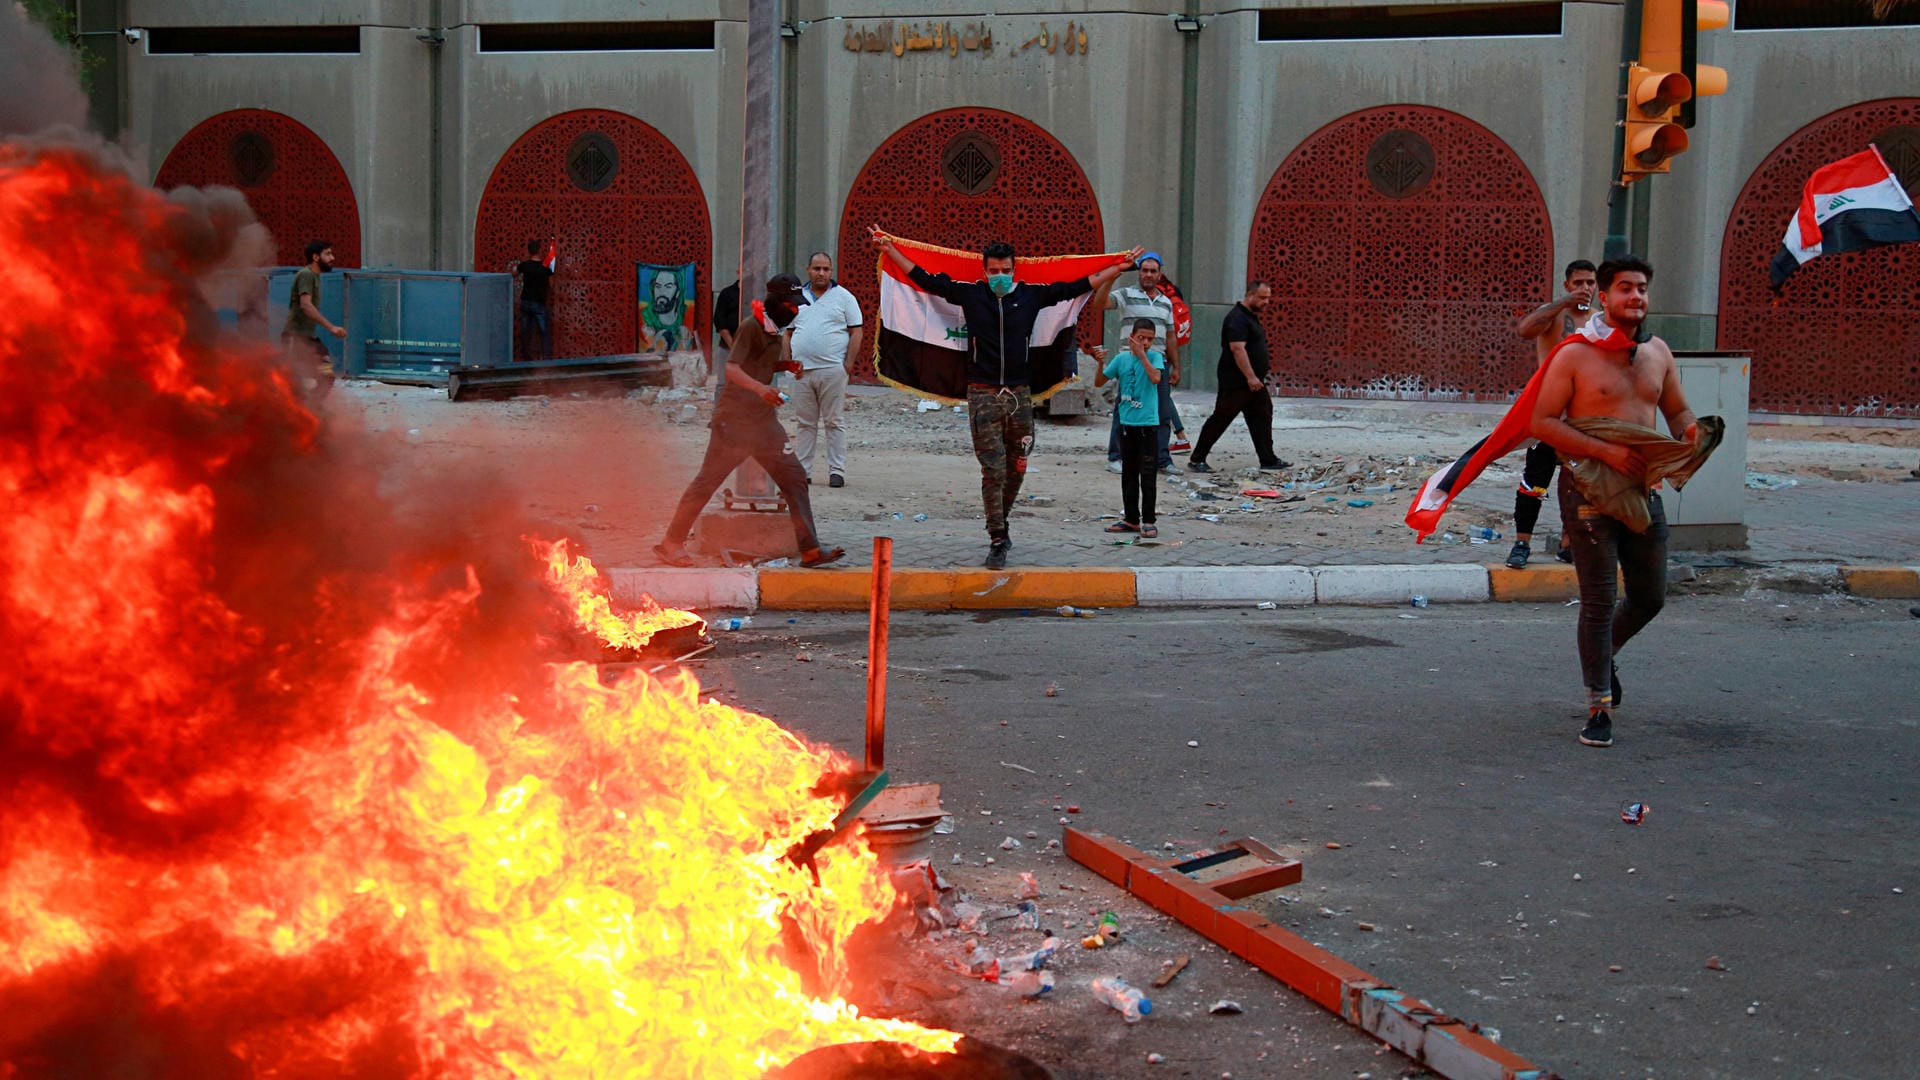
1772, 737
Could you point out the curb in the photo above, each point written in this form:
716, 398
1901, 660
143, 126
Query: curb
968, 589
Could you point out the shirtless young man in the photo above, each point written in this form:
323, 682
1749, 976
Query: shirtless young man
1547, 325
1637, 384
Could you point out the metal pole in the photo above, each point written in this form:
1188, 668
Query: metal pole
758, 164
1616, 245
878, 607
1189, 147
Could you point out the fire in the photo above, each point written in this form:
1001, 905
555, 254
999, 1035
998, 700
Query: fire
579, 583
294, 789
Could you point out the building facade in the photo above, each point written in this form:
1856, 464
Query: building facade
1410, 178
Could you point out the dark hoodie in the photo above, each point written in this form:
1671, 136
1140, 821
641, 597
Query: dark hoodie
998, 327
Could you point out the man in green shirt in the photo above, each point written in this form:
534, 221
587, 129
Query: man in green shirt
303, 316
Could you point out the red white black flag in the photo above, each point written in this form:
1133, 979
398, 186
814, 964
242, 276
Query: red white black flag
1852, 204
921, 344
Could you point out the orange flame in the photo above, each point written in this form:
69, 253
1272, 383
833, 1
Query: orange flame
579, 584
292, 793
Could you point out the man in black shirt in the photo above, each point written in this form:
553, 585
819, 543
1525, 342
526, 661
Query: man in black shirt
726, 317
1000, 314
1243, 382
534, 317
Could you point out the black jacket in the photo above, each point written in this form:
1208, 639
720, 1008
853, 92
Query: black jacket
998, 327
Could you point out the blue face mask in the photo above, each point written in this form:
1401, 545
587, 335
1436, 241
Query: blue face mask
1001, 284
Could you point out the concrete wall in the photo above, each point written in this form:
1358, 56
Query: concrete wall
1116, 109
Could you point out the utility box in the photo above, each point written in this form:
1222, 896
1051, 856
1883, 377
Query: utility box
1710, 514
419, 325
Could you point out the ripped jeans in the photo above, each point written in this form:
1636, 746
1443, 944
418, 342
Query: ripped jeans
1601, 544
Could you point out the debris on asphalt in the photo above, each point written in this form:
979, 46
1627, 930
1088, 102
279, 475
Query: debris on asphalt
1053, 689
1193, 743
1170, 969
1633, 814
1714, 964
1010, 844
1117, 993
1012, 765
1266, 605
1417, 600
1224, 1007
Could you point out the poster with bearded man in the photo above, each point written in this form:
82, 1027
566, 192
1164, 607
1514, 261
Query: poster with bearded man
666, 308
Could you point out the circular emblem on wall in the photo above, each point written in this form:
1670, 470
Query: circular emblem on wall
592, 161
1900, 145
1400, 163
970, 163
251, 155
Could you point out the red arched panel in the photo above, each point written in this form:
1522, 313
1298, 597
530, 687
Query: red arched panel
1402, 244
964, 178
290, 178
1843, 336
614, 192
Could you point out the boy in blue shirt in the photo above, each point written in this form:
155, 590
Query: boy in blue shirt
1138, 371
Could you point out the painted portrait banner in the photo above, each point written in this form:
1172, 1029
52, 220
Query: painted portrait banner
666, 297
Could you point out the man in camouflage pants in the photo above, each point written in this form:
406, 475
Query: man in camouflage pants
1002, 441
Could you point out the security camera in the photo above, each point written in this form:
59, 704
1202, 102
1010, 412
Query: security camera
133, 35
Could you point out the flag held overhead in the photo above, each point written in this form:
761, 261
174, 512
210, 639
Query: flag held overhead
1854, 204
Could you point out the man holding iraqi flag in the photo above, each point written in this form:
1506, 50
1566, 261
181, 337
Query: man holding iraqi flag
997, 342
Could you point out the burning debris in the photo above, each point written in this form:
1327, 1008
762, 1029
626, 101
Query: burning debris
297, 782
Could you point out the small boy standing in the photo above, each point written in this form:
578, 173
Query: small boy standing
1138, 371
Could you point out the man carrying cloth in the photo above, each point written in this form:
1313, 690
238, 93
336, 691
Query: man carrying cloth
745, 425
999, 313
1597, 399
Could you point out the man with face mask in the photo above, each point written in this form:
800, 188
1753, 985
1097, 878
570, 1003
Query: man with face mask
745, 425
1000, 314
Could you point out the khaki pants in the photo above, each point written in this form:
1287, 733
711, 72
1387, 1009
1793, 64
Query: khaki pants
819, 397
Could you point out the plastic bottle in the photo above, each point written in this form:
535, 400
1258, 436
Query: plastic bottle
1481, 532
1029, 984
1130, 1002
1417, 600
737, 622
1034, 960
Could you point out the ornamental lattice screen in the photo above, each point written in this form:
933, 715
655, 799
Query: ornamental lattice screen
290, 178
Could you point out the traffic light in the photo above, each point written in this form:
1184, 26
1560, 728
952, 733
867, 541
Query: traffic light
1664, 80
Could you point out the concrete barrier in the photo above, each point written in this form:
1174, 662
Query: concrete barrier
698, 589
1443, 584
1198, 585
1882, 582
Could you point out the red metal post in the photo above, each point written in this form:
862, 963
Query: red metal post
879, 606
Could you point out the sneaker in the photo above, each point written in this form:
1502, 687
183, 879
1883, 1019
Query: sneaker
1199, 466
1517, 558
1114, 466
1170, 468
836, 480
1276, 463
1565, 555
1178, 446
997, 553
1599, 730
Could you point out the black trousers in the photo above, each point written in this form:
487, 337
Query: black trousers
1235, 399
1139, 472
1602, 544
732, 442
1541, 461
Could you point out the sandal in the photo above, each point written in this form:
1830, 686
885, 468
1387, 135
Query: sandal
820, 557
1149, 530
1123, 527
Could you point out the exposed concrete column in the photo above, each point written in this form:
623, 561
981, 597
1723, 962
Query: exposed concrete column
761, 160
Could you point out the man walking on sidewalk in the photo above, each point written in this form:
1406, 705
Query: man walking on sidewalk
1598, 400
1547, 325
1243, 382
824, 334
1000, 314
745, 425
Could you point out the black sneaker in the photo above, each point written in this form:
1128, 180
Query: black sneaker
1599, 730
1198, 466
836, 480
1616, 686
1276, 463
997, 553
1517, 558
1565, 555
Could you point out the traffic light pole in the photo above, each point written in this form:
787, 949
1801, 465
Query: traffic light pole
1617, 200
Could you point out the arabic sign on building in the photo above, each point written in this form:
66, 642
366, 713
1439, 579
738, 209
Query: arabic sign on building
901, 38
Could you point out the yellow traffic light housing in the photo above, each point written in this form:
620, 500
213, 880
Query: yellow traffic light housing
1665, 80
1654, 134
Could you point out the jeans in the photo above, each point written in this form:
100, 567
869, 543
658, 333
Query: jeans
1234, 399
1541, 461
1601, 544
535, 320
1138, 477
1169, 423
733, 441
1002, 421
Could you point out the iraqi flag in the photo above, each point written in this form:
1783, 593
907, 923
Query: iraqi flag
1423, 517
1853, 204
921, 345
551, 257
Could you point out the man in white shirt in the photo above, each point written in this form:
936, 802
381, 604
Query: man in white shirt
825, 332
1147, 301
